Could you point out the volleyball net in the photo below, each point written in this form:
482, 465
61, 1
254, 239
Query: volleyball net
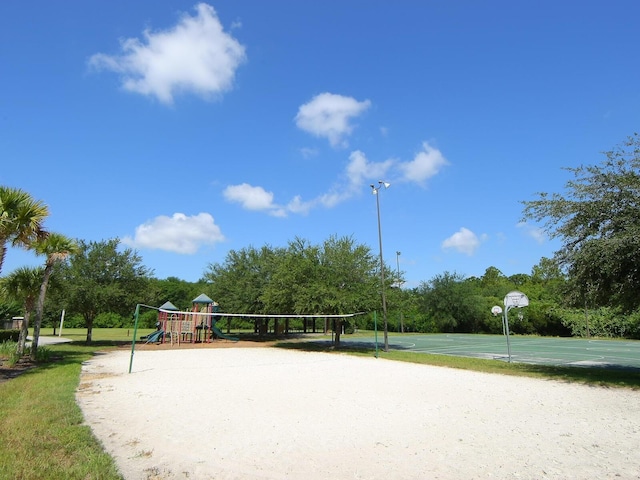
203, 326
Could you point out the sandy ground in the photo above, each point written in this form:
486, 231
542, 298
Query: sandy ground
265, 413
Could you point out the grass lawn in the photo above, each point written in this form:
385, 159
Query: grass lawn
41, 426
118, 335
42, 431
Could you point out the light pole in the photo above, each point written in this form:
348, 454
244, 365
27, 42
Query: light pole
375, 191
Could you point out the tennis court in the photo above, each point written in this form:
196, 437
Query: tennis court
535, 350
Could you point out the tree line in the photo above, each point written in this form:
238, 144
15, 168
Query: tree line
588, 288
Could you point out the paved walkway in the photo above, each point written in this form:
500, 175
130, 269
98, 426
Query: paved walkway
48, 340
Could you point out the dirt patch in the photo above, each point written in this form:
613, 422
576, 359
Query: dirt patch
9, 372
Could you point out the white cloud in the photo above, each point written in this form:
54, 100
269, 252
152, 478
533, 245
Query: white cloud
253, 198
195, 56
358, 173
297, 205
179, 233
536, 233
359, 170
328, 115
258, 199
464, 241
308, 152
426, 164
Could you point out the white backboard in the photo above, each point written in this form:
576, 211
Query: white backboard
516, 299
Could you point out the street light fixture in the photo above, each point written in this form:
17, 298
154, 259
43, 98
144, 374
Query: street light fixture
375, 190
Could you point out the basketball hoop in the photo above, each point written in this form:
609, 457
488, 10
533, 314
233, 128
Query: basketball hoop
516, 299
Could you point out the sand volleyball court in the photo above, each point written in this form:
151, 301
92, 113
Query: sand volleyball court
267, 413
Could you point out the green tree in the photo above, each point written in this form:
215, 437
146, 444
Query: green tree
99, 278
546, 291
404, 305
56, 248
596, 219
347, 279
21, 219
494, 283
8, 307
335, 278
290, 288
453, 303
23, 285
239, 282
548, 273
177, 291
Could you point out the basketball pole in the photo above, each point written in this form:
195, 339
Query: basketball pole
506, 326
512, 299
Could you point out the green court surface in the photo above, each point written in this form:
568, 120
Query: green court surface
524, 349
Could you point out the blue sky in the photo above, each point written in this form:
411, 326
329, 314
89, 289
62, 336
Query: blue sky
191, 129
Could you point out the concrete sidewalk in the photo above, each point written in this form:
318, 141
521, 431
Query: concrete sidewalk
48, 340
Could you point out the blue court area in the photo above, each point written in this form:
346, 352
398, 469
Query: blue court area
524, 349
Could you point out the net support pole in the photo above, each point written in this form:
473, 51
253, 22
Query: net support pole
375, 329
135, 334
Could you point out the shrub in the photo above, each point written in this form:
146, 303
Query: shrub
43, 354
7, 347
9, 335
633, 325
602, 322
147, 319
74, 321
110, 320
9, 350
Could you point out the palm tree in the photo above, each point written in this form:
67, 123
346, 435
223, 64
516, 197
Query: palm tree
57, 248
21, 219
23, 286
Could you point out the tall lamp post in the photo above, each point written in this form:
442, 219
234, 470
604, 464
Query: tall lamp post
376, 192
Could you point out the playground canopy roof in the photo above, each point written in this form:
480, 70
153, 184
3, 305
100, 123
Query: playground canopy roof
202, 298
169, 306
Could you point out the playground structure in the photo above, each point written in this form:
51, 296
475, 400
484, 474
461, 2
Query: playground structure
199, 325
